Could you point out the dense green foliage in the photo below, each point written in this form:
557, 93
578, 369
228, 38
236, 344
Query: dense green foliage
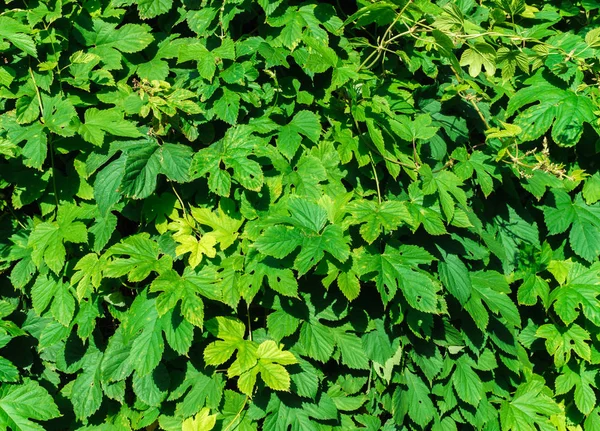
286, 214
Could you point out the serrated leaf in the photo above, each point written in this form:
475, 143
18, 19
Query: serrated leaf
577, 294
455, 277
584, 220
205, 246
48, 238
98, 123
560, 342
142, 165
414, 400
227, 108
107, 184
153, 8
529, 406
203, 421
22, 403
186, 288
87, 386
478, 55
17, 34
139, 257
378, 217
466, 382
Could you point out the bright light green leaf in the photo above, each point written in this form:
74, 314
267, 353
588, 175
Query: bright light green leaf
203, 421
478, 55
197, 248
560, 342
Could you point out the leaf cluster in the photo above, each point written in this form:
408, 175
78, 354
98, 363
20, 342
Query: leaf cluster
317, 216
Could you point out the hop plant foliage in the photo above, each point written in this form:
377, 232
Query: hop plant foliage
317, 216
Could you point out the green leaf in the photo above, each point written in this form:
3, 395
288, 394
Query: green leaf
142, 333
198, 389
152, 388
420, 128
186, 288
531, 405
142, 165
455, 277
310, 232
235, 403
197, 248
466, 382
63, 304
225, 223
231, 334
128, 38
414, 400
304, 123
270, 365
175, 161
48, 238
20, 404
98, 123
8, 372
573, 110
153, 8
107, 184
18, 35
591, 189
584, 236
377, 217
102, 230
579, 294
234, 151
88, 275
478, 55
570, 110
58, 114
349, 285
142, 258
447, 185
227, 107
492, 289
583, 381
317, 340
560, 342
199, 20
351, 348
203, 421
393, 272
87, 386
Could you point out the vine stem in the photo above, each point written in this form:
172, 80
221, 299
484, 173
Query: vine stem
249, 322
237, 415
15, 216
50, 147
180, 200
37, 92
376, 178
382, 42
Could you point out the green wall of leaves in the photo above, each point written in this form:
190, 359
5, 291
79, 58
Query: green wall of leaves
284, 214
